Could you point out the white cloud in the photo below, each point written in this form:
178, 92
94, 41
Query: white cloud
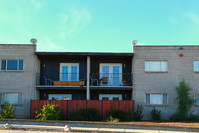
194, 18
73, 21
36, 4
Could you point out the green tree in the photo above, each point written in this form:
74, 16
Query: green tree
184, 101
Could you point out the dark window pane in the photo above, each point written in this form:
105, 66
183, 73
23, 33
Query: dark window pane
197, 99
147, 98
3, 65
20, 64
165, 99
19, 98
2, 98
12, 64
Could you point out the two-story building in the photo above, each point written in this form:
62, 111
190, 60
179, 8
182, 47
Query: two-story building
148, 76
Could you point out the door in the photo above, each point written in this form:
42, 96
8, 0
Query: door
112, 73
110, 96
69, 72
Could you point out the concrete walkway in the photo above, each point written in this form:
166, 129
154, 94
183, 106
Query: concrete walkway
79, 131
85, 129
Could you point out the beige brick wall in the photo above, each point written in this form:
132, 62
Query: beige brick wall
178, 68
19, 82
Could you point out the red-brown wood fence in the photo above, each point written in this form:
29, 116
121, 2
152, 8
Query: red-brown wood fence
68, 106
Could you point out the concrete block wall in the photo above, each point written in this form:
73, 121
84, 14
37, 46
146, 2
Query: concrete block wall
178, 68
19, 81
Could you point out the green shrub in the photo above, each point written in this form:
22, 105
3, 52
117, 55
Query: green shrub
184, 102
138, 113
156, 115
85, 115
111, 119
7, 111
118, 114
193, 117
48, 112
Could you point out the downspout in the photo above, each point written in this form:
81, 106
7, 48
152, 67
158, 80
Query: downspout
134, 42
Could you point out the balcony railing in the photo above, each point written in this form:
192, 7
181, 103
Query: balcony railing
76, 79
61, 79
111, 79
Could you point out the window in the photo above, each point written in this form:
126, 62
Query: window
156, 66
15, 98
60, 97
69, 72
197, 99
110, 96
110, 73
156, 99
10, 65
196, 66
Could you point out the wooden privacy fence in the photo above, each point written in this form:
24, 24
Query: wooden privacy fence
69, 106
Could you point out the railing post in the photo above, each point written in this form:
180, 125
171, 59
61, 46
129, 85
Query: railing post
88, 79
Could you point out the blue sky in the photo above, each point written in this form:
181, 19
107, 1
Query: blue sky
99, 25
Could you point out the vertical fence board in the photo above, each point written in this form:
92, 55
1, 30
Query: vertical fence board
95, 104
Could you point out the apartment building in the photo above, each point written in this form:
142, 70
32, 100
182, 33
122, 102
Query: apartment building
157, 70
148, 76
17, 76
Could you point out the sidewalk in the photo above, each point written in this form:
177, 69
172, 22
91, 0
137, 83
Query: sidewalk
92, 126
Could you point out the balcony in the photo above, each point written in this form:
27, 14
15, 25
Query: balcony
111, 79
60, 79
79, 80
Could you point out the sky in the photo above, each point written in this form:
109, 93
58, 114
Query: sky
99, 25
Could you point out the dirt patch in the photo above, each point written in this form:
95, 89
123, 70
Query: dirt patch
165, 123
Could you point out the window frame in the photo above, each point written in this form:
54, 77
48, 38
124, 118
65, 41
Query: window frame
162, 98
6, 64
195, 98
194, 66
65, 95
161, 71
110, 96
69, 74
5, 97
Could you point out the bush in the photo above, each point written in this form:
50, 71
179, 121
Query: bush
85, 115
7, 111
48, 112
111, 119
118, 114
184, 102
156, 115
193, 117
138, 113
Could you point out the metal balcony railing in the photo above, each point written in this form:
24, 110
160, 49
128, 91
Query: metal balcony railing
111, 79
77, 79
62, 79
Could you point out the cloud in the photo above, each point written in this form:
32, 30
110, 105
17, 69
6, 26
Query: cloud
36, 4
194, 18
47, 44
73, 21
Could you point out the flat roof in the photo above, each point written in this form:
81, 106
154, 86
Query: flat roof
85, 53
166, 45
